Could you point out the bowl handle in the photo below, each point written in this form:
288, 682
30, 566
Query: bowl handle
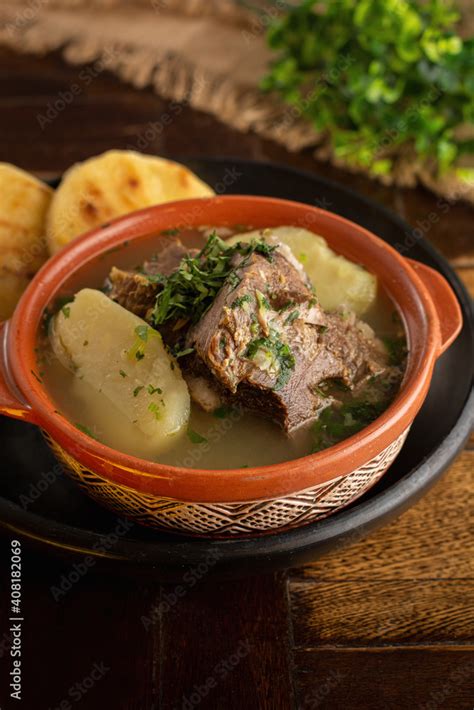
11, 404
445, 302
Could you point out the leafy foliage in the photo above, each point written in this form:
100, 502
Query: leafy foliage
379, 76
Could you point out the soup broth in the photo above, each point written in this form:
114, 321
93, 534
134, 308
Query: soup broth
228, 437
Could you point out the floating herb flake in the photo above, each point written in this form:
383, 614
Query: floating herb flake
153, 390
196, 438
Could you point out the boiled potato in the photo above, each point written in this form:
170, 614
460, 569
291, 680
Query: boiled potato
24, 201
337, 281
124, 359
113, 184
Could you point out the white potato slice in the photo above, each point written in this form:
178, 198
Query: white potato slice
337, 281
125, 360
111, 185
24, 201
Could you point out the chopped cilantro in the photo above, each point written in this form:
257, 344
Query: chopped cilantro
239, 302
396, 349
154, 409
265, 250
191, 289
66, 311
122, 373
137, 390
181, 353
152, 390
319, 390
293, 316
335, 424
280, 351
286, 306
222, 412
170, 232
196, 438
142, 332
262, 301
233, 280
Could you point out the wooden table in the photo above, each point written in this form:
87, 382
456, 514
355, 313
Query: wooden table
386, 623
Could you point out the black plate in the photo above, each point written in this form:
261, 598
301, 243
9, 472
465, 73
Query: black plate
55, 513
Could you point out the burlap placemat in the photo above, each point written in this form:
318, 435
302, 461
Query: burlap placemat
209, 53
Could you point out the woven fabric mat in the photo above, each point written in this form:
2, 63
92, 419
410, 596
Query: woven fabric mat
208, 53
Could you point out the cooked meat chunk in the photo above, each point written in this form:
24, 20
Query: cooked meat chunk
133, 290
268, 344
168, 258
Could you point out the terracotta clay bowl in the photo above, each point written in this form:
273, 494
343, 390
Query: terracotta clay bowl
246, 501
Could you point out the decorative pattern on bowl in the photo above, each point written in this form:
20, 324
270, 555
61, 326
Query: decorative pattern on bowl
249, 518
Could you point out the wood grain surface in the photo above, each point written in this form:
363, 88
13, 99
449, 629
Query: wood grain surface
384, 623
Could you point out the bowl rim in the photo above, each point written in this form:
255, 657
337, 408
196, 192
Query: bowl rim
203, 484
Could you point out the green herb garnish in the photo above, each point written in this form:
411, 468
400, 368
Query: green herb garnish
286, 306
122, 373
277, 350
337, 423
293, 316
155, 410
190, 290
142, 332
66, 311
196, 438
263, 303
137, 390
239, 302
153, 390
222, 412
170, 232
396, 349
181, 353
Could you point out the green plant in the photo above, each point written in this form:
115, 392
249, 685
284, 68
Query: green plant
379, 76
